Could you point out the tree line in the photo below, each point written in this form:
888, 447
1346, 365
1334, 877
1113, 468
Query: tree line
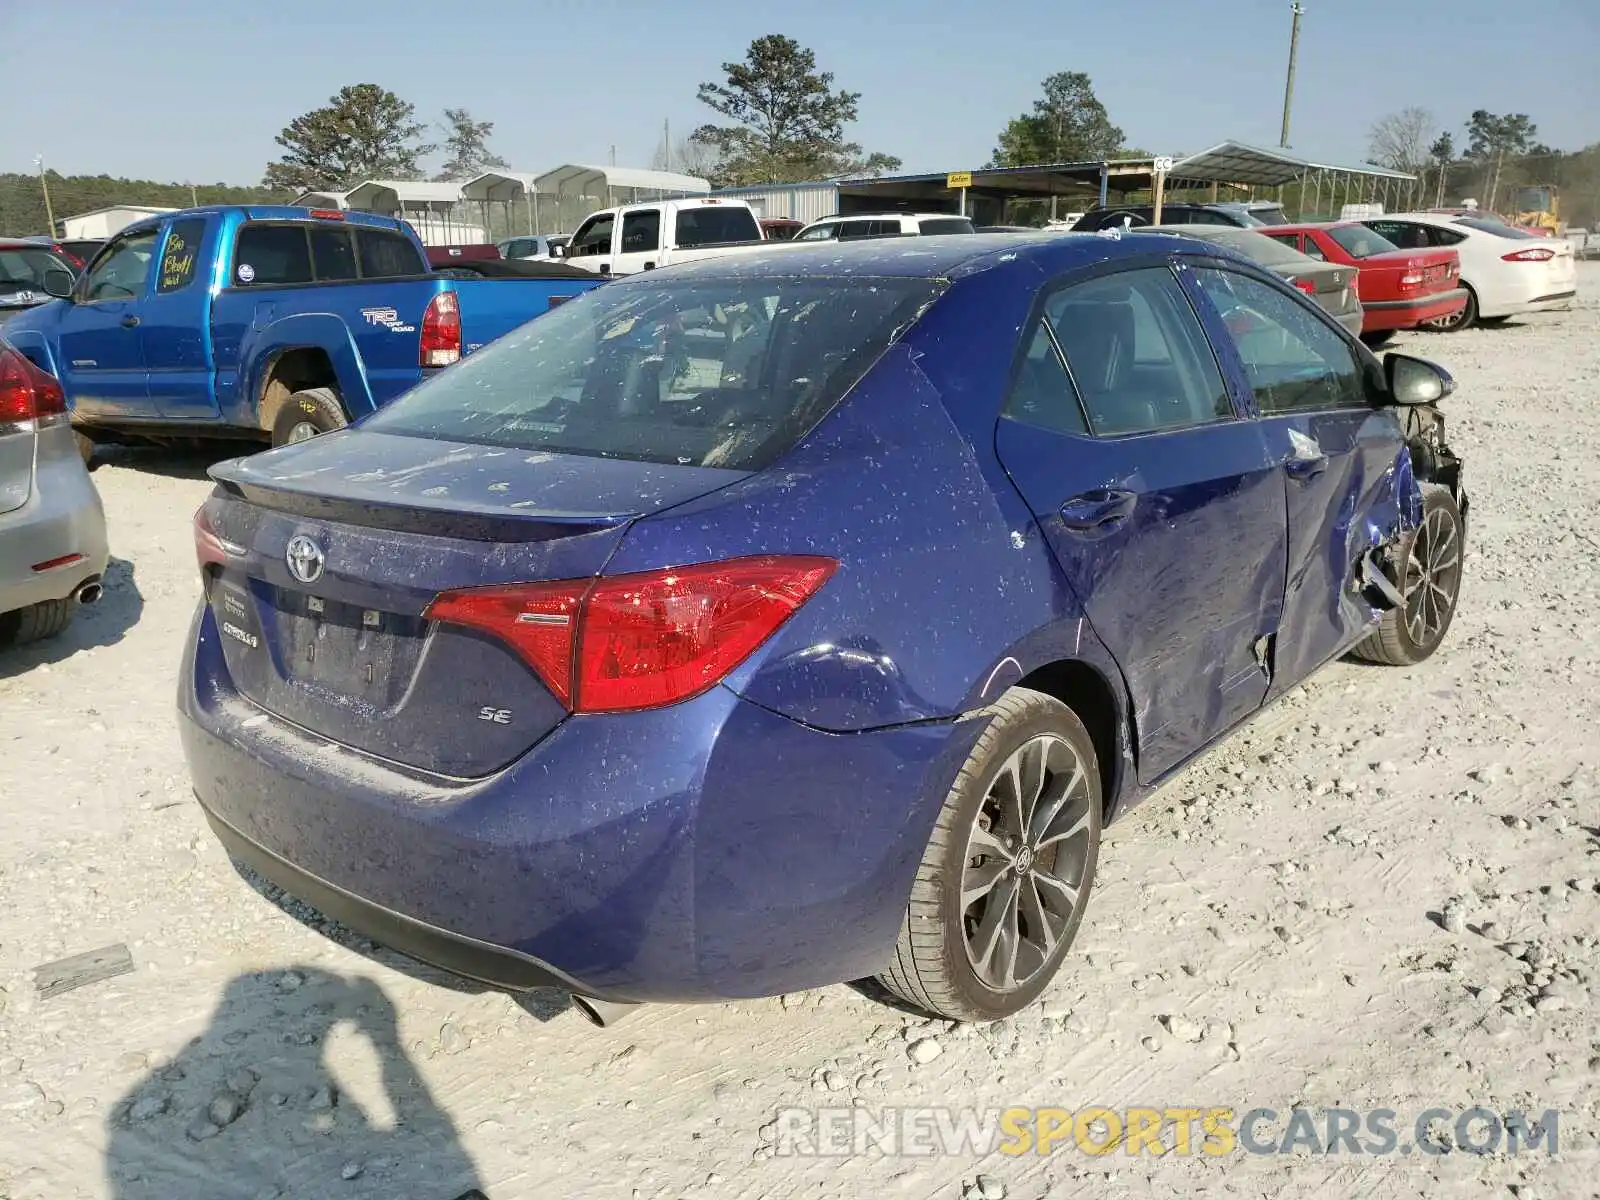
1499, 154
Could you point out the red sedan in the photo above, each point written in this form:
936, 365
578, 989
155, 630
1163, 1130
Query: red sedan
1400, 289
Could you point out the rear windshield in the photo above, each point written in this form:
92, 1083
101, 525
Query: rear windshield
707, 226
1498, 228
719, 373
1269, 215
1360, 242
936, 225
22, 269
1265, 250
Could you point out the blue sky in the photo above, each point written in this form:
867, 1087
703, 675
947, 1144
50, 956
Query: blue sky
198, 92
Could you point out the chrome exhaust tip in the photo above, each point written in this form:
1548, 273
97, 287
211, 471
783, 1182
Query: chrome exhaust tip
604, 1013
89, 592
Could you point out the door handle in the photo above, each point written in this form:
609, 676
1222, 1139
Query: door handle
130, 321
1098, 510
1308, 467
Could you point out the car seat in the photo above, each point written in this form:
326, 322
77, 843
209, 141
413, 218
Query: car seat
1098, 341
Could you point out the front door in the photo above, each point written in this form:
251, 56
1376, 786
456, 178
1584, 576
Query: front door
1337, 454
1161, 502
101, 352
175, 323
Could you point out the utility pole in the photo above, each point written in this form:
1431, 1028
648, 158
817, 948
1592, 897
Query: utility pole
44, 183
1288, 86
666, 141
194, 197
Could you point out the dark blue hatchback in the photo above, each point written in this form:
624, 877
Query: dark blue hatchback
767, 622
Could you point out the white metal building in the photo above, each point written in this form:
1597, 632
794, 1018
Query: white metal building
106, 222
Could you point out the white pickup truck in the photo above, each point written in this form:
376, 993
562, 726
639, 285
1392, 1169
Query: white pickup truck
642, 237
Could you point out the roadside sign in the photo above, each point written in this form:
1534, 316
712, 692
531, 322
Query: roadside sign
958, 179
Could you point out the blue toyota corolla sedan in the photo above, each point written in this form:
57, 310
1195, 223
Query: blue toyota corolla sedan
779, 620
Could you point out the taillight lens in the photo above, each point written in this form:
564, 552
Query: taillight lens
1412, 280
1306, 286
441, 331
208, 549
1539, 254
629, 642
1355, 284
26, 392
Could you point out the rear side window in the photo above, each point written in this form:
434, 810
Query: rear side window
1137, 353
386, 255
1359, 242
641, 231
708, 226
267, 254
1042, 395
1293, 358
937, 225
332, 255
1309, 246
819, 233
180, 256
715, 373
869, 229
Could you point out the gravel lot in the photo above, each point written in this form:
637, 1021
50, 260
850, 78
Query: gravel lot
1381, 894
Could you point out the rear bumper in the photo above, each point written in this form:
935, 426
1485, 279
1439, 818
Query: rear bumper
61, 517
1382, 315
709, 850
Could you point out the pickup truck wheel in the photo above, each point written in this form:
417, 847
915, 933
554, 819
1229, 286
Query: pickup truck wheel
306, 414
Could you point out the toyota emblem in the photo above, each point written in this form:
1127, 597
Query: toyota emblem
305, 558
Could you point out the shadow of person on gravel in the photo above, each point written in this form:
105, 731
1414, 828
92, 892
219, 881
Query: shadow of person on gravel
103, 624
251, 1109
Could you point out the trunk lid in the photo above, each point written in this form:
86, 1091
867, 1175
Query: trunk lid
1440, 269
328, 553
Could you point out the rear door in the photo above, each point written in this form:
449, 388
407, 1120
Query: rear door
1336, 453
175, 322
1161, 502
101, 351
640, 245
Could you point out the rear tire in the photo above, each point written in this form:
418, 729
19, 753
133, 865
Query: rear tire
1465, 319
36, 622
308, 414
1007, 872
1431, 585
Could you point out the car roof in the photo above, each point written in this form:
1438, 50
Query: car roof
932, 257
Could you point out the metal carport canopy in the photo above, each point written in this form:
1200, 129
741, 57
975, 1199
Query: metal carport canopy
1236, 162
503, 186
402, 195
585, 180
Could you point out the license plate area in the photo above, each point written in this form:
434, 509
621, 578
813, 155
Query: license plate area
332, 645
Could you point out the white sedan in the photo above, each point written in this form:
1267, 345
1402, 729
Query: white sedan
1506, 271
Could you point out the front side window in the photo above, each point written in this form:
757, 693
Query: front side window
180, 257
1403, 235
820, 233
641, 231
1295, 361
269, 254
593, 237
714, 373
121, 269
1138, 354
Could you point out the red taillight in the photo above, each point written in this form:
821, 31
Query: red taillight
1539, 254
441, 331
26, 392
208, 548
1355, 284
1306, 286
630, 642
327, 214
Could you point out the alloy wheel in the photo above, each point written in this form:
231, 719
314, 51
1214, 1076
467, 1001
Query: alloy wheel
1433, 578
1027, 858
301, 431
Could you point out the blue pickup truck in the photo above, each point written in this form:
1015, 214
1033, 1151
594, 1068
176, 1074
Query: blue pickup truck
263, 322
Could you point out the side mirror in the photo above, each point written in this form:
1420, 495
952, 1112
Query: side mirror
558, 251
1414, 381
58, 283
